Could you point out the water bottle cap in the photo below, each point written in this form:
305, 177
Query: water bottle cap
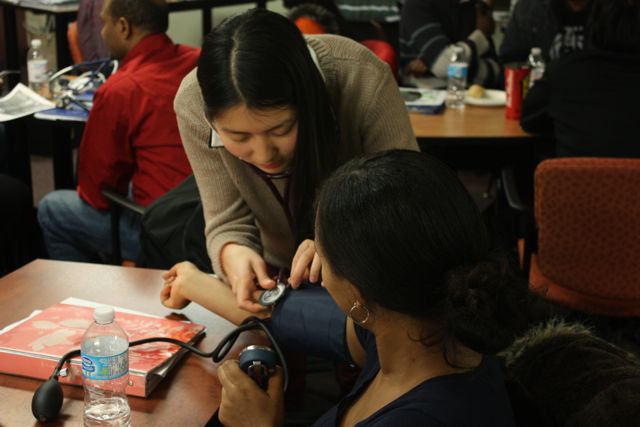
36, 43
536, 51
103, 314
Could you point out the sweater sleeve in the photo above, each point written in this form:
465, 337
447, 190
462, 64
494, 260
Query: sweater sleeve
227, 216
385, 123
483, 66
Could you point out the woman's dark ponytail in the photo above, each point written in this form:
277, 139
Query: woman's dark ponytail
484, 309
402, 228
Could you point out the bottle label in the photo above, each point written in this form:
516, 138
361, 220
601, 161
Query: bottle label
536, 74
457, 70
37, 70
105, 367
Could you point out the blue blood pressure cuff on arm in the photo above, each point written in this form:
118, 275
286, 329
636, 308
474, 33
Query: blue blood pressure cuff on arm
308, 320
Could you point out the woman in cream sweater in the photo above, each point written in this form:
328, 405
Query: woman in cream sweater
265, 118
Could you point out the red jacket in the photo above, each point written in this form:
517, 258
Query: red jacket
132, 132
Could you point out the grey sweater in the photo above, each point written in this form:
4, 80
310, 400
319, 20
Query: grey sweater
238, 205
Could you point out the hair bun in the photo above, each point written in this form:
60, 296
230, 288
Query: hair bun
485, 305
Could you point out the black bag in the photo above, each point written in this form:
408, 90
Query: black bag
173, 230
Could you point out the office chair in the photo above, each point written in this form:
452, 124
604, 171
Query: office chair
117, 202
587, 218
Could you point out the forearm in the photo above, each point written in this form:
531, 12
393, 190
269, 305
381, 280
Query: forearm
217, 297
486, 70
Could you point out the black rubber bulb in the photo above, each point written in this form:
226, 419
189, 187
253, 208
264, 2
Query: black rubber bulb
47, 401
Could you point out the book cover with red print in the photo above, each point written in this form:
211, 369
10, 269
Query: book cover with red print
33, 347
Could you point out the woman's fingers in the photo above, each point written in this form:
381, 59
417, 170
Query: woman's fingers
301, 263
316, 269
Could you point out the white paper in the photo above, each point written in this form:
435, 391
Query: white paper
20, 102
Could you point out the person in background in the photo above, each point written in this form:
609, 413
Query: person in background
557, 27
371, 20
313, 18
430, 28
131, 142
92, 45
561, 374
20, 236
405, 256
359, 19
587, 99
265, 118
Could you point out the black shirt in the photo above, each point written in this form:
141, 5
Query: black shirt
589, 101
477, 398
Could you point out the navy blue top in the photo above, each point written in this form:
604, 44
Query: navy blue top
476, 398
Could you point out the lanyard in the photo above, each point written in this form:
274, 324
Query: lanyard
283, 201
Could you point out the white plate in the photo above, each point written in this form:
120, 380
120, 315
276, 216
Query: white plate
491, 98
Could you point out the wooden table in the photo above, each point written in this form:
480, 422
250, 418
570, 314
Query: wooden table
190, 393
468, 123
473, 137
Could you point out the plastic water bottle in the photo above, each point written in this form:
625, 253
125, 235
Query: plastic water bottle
37, 68
105, 372
536, 63
457, 78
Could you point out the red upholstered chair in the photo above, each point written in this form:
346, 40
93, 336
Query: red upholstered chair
384, 51
307, 25
381, 48
587, 214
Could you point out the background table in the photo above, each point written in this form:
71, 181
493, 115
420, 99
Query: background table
64, 14
473, 137
467, 124
190, 393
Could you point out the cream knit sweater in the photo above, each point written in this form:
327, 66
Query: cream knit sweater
238, 205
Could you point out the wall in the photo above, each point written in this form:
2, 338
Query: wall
186, 27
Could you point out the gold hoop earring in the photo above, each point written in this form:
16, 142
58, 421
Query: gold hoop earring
362, 309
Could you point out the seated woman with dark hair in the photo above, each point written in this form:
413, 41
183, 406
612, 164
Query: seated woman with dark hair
563, 375
405, 256
587, 100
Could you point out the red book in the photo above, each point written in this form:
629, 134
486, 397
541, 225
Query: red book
33, 347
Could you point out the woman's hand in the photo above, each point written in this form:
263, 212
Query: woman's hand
306, 264
176, 280
416, 68
243, 403
243, 268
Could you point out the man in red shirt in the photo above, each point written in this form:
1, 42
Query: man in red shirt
131, 142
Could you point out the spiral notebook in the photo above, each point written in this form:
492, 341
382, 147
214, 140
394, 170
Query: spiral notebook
33, 346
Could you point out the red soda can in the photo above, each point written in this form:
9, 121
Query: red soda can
516, 82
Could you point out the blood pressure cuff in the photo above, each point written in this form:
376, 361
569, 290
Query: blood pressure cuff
308, 320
